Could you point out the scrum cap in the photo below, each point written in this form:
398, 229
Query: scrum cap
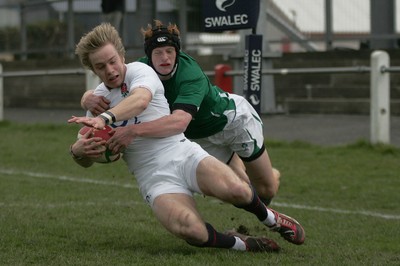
161, 37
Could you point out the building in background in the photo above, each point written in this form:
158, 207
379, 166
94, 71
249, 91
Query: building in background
291, 26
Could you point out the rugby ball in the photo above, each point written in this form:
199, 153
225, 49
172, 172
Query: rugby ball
107, 156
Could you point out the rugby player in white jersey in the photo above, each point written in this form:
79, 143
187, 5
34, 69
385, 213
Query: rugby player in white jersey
170, 169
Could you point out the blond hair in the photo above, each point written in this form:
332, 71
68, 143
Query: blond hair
99, 36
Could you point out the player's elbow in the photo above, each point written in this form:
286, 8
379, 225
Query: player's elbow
181, 125
141, 99
142, 103
182, 120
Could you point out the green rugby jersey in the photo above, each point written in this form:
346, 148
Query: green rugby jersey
189, 85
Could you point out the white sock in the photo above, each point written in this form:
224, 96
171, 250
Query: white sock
239, 244
270, 220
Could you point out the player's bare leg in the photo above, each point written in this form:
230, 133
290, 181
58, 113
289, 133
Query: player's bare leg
178, 214
219, 180
263, 177
260, 174
237, 165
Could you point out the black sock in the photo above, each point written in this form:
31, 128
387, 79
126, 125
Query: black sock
266, 201
216, 239
256, 207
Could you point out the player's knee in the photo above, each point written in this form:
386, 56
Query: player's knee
276, 182
187, 226
268, 187
277, 176
239, 193
267, 190
195, 234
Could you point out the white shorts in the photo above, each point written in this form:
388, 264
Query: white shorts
173, 171
243, 134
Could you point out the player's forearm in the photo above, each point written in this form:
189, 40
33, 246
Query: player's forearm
157, 129
131, 106
166, 126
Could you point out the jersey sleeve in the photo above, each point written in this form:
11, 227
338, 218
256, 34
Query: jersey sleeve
141, 75
193, 90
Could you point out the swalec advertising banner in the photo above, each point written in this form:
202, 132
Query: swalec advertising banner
252, 70
220, 15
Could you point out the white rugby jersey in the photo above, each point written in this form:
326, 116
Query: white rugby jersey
143, 154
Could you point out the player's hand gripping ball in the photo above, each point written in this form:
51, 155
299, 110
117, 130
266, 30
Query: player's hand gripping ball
107, 156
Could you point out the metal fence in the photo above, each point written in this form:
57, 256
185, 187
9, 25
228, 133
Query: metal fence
46, 28
379, 87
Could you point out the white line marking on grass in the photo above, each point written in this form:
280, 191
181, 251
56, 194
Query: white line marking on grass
65, 178
280, 204
321, 209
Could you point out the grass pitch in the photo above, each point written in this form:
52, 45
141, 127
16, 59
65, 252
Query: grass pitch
53, 212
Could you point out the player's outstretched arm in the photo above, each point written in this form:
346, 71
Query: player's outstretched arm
137, 101
96, 122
